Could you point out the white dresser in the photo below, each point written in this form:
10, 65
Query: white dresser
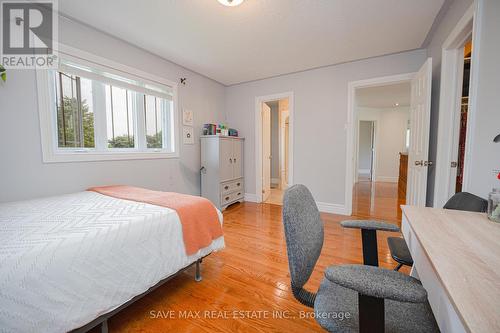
222, 170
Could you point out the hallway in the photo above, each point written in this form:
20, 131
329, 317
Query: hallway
377, 200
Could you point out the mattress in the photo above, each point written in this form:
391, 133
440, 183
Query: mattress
66, 260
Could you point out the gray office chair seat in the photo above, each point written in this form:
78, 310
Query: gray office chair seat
399, 251
333, 300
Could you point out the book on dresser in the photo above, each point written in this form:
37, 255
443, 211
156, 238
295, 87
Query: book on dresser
222, 179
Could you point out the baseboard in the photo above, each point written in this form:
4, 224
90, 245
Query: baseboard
326, 207
251, 197
386, 179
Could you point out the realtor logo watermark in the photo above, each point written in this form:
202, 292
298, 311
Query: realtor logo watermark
28, 34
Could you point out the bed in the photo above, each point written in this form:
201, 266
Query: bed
74, 259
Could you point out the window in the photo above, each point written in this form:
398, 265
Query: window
75, 116
120, 112
96, 112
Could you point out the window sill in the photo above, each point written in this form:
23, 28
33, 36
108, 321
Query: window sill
85, 156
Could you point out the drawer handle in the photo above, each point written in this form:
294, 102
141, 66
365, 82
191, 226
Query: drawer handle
226, 187
227, 198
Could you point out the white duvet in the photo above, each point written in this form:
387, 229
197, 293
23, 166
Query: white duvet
66, 260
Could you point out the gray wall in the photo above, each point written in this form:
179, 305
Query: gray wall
485, 155
455, 10
320, 97
24, 175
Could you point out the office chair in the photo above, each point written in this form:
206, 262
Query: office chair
351, 298
459, 201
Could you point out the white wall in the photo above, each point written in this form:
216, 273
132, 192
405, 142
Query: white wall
24, 175
391, 125
454, 13
320, 100
485, 155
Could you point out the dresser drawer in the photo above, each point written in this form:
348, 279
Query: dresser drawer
231, 186
226, 199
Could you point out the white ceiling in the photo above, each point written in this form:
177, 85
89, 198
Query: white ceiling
384, 96
260, 38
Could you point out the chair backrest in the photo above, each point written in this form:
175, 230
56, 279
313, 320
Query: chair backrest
468, 202
304, 237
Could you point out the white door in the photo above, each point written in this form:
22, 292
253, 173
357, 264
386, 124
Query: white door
418, 153
237, 158
226, 159
266, 151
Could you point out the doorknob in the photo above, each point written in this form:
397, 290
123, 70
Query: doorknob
428, 163
230, 160
417, 163
454, 164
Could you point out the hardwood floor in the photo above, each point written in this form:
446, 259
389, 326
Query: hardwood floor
377, 200
251, 274
276, 196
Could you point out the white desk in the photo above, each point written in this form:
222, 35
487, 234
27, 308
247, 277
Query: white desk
457, 257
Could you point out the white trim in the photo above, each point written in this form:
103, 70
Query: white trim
46, 98
250, 197
450, 105
258, 138
473, 84
350, 132
326, 207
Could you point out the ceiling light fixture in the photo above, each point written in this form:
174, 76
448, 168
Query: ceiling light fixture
230, 3
396, 104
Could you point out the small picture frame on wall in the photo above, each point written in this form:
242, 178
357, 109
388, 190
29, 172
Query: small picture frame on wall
188, 135
187, 117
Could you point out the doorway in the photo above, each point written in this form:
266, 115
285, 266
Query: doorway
275, 131
366, 150
456, 109
462, 126
415, 133
382, 114
274, 142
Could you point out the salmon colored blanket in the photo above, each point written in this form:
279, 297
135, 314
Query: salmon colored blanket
199, 218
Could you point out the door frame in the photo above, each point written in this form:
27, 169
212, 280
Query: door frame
374, 152
258, 138
350, 126
450, 104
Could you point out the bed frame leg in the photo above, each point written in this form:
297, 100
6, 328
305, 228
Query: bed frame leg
104, 326
197, 276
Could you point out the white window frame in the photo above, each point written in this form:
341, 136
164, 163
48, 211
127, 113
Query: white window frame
48, 126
